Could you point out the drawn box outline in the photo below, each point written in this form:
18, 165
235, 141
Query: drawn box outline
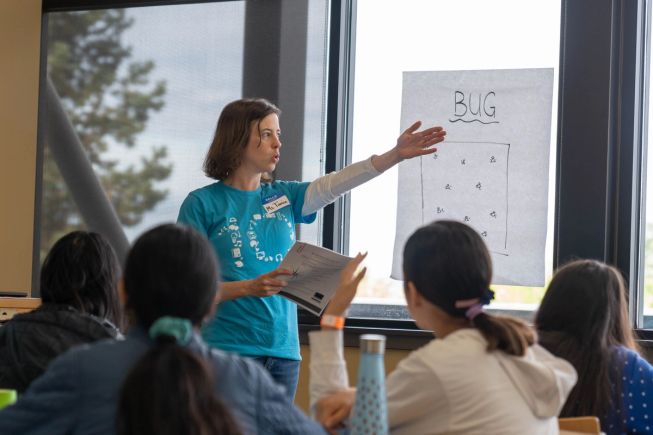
421, 179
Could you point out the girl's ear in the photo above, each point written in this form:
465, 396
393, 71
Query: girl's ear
413, 297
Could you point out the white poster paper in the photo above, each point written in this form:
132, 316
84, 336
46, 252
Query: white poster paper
492, 170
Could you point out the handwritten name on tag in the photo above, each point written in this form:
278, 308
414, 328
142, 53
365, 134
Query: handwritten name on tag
275, 203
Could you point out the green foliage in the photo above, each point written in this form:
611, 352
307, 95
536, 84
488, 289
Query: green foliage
108, 98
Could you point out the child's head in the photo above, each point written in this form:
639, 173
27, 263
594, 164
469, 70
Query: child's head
172, 391
583, 315
171, 270
586, 300
449, 265
448, 262
232, 135
82, 270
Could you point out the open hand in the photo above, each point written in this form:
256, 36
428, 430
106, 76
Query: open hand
347, 287
412, 144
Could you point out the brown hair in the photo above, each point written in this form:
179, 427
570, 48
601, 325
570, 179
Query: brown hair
448, 261
232, 135
582, 317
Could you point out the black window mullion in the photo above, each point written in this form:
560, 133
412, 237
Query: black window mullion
584, 129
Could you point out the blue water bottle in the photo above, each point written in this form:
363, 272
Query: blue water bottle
370, 415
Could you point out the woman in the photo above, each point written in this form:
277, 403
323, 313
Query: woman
482, 375
79, 280
583, 318
250, 220
171, 271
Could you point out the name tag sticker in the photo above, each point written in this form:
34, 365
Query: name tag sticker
275, 202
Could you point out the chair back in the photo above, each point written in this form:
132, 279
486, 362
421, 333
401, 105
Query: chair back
589, 424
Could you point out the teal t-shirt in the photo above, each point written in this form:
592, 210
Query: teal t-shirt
249, 242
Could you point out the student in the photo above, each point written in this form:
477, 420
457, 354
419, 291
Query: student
170, 390
171, 271
483, 374
583, 318
250, 220
79, 279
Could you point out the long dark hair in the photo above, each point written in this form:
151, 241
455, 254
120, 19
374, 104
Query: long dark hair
447, 261
81, 270
232, 135
583, 315
170, 271
170, 391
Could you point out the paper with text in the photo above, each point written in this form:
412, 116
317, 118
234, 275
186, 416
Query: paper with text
492, 170
315, 275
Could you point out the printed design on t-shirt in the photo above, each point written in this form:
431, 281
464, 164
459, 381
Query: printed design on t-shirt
250, 240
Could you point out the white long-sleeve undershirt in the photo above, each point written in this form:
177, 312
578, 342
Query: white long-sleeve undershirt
326, 189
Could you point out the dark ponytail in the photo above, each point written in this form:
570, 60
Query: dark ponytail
450, 266
170, 391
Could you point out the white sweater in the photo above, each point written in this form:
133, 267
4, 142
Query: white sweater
327, 188
454, 386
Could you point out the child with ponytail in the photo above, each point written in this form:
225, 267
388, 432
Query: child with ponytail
482, 374
170, 390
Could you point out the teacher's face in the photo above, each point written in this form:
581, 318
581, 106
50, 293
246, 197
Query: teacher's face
263, 149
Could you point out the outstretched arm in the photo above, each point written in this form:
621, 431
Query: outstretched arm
410, 144
326, 189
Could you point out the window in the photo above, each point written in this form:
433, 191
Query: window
422, 35
143, 87
171, 68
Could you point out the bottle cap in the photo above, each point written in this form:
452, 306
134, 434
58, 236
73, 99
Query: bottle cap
372, 343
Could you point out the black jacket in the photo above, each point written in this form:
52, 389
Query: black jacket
29, 341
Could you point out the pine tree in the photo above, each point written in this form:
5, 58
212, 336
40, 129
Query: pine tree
109, 98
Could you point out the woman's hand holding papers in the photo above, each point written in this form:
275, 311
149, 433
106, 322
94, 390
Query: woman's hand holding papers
267, 284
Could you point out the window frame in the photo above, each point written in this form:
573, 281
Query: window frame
603, 108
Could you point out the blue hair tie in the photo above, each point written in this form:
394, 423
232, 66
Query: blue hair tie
179, 329
486, 297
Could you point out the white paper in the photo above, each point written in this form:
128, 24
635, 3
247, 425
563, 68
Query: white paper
492, 170
315, 275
